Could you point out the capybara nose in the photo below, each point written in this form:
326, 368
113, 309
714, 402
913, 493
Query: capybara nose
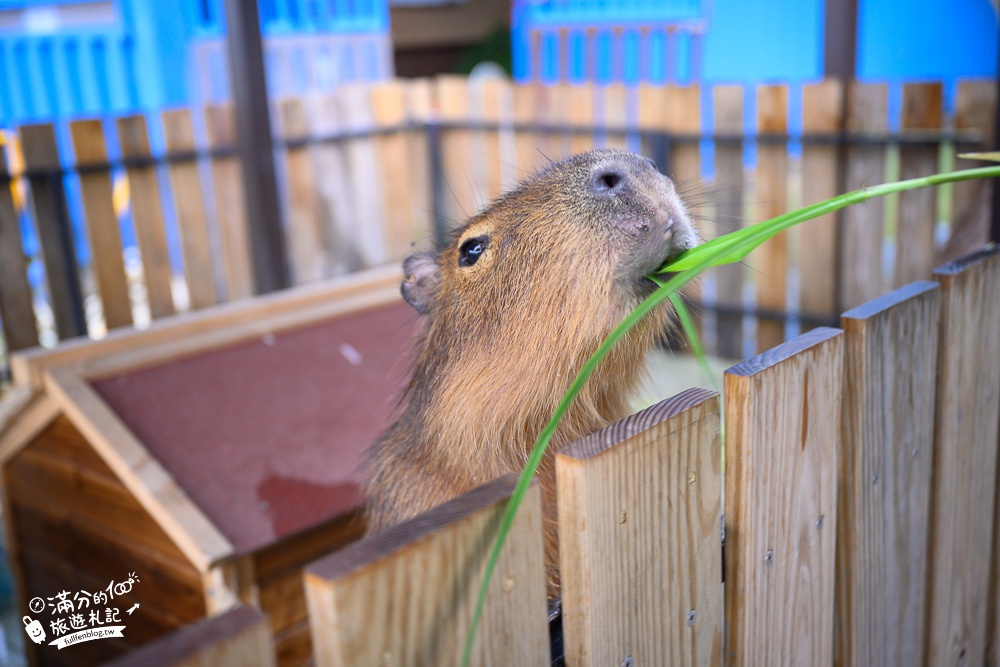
607, 180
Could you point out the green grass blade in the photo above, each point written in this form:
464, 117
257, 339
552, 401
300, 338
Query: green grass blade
723, 250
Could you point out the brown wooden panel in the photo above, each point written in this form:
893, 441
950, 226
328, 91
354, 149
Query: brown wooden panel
922, 112
389, 110
189, 202
230, 207
294, 647
360, 614
771, 259
237, 638
639, 544
822, 106
860, 269
728, 114
883, 517
965, 460
783, 426
48, 203
147, 216
102, 223
304, 237
418, 106
460, 193
16, 309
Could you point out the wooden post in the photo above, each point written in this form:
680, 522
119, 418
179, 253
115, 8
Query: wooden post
727, 102
639, 521
260, 188
16, 308
147, 216
237, 638
48, 202
965, 460
917, 219
890, 363
190, 206
822, 104
405, 596
771, 259
860, 269
783, 412
102, 223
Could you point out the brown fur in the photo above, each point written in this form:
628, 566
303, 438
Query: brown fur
505, 337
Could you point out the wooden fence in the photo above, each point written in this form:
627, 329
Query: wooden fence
371, 170
860, 517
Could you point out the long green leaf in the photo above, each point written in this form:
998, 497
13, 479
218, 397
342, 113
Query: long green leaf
723, 250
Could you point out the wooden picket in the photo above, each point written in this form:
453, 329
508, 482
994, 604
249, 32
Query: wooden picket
19, 328
783, 426
639, 520
890, 363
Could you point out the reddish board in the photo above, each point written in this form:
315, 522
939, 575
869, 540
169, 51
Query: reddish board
266, 436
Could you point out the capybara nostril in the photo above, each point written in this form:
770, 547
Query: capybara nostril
607, 180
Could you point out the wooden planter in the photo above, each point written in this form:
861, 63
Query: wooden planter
213, 455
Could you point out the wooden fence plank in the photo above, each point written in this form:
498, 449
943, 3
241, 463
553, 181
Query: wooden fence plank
783, 412
238, 637
497, 108
917, 209
771, 259
147, 216
304, 238
389, 110
363, 176
581, 113
420, 581
418, 105
965, 460
460, 189
975, 110
334, 189
189, 203
860, 269
890, 362
728, 119
48, 203
639, 520
102, 223
16, 311
230, 205
821, 114
525, 103
614, 115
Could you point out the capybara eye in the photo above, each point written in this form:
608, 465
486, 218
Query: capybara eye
470, 251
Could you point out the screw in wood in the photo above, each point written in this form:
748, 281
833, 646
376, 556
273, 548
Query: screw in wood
692, 617
628, 662
769, 557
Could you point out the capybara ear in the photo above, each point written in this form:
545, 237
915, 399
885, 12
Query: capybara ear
420, 280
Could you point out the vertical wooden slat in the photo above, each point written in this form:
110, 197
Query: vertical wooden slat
362, 175
230, 204
16, 311
525, 112
456, 149
965, 460
890, 362
821, 110
615, 114
418, 104
329, 159
639, 510
860, 267
389, 110
405, 597
783, 412
147, 216
236, 638
304, 239
975, 110
771, 259
497, 99
728, 119
48, 203
581, 114
652, 114
102, 223
190, 206
917, 209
